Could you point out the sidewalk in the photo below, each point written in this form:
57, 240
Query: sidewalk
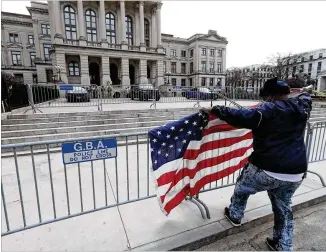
142, 225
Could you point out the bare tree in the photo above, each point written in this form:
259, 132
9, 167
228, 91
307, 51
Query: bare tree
234, 77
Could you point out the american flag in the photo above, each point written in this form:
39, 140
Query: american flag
192, 152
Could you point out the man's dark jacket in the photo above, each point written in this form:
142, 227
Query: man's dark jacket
278, 132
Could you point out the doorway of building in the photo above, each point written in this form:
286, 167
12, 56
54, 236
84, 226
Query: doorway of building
114, 74
132, 74
94, 73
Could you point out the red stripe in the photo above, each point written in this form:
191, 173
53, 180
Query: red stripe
218, 128
180, 196
186, 172
192, 154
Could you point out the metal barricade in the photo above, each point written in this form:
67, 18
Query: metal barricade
37, 188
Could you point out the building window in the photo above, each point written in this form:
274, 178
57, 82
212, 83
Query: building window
211, 67
219, 68
219, 80
31, 39
16, 58
203, 51
45, 29
219, 53
173, 52
35, 81
212, 52
311, 57
174, 81
146, 31
183, 54
91, 26
310, 67
49, 75
319, 67
32, 56
173, 67
301, 68
203, 66
203, 82
110, 28
13, 37
73, 68
302, 59
211, 81
192, 53
191, 67
164, 51
70, 23
320, 55
190, 82
183, 82
164, 67
183, 68
46, 49
129, 31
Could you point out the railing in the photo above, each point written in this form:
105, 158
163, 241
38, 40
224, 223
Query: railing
93, 44
133, 48
38, 188
115, 46
71, 42
18, 67
151, 49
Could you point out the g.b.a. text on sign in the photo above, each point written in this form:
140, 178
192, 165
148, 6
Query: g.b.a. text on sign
89, 150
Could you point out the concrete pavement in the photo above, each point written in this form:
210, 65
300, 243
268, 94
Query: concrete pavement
309, 234
138, 226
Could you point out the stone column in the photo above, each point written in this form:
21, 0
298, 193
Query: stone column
153, 30
223, 60
158, 24
122, 22
36, 39
84, 71
141, 24
223, 82
143, 71
106, 78
58, 29
159, 73
81, 23
125, 80
102, 25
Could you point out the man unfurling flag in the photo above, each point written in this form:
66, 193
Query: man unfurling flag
192, 152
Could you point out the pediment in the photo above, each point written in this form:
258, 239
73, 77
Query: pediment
14, 45
214, 37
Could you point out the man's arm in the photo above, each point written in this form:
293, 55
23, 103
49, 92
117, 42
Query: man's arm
243, 118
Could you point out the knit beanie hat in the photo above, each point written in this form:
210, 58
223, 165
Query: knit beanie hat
274, 87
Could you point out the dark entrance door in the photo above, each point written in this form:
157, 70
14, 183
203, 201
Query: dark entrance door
132, 74
114, 74
94, 73
148, 72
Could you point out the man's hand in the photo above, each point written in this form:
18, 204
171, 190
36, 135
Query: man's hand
206, 110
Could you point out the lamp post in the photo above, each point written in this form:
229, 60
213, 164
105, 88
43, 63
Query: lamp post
168, 75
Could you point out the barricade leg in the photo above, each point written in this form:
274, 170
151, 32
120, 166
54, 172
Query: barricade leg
191, 199
31, 101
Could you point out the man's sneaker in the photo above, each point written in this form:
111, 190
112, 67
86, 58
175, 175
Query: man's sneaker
273, 246
234, 222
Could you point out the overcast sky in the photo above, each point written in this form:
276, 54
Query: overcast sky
254, 29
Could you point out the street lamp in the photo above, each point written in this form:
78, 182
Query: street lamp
168, 75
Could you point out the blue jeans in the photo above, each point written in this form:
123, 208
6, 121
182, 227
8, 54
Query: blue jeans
253, 180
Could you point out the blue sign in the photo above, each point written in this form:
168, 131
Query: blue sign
86, 151
66, 87
250, 90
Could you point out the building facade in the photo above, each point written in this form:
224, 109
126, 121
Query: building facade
197, 61
105, 42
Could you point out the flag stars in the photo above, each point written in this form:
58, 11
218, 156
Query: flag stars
179, 150
166, 154
176, 138
168, 136
154, 140
184, 141
194, 123
152, 149
159, 152
186, 121
201, 128
181, 130
158, 133
172, 128
163, 144
189, 132
171, 146
155, 162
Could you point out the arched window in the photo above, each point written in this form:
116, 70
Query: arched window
73, 68
146, 32
110, 28
70, 22
91, 26
129, 31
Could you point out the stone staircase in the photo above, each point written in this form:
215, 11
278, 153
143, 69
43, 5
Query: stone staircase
48, 127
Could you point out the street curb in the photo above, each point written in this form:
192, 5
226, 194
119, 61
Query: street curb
207, 234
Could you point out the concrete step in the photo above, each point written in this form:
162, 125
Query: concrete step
88, 128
